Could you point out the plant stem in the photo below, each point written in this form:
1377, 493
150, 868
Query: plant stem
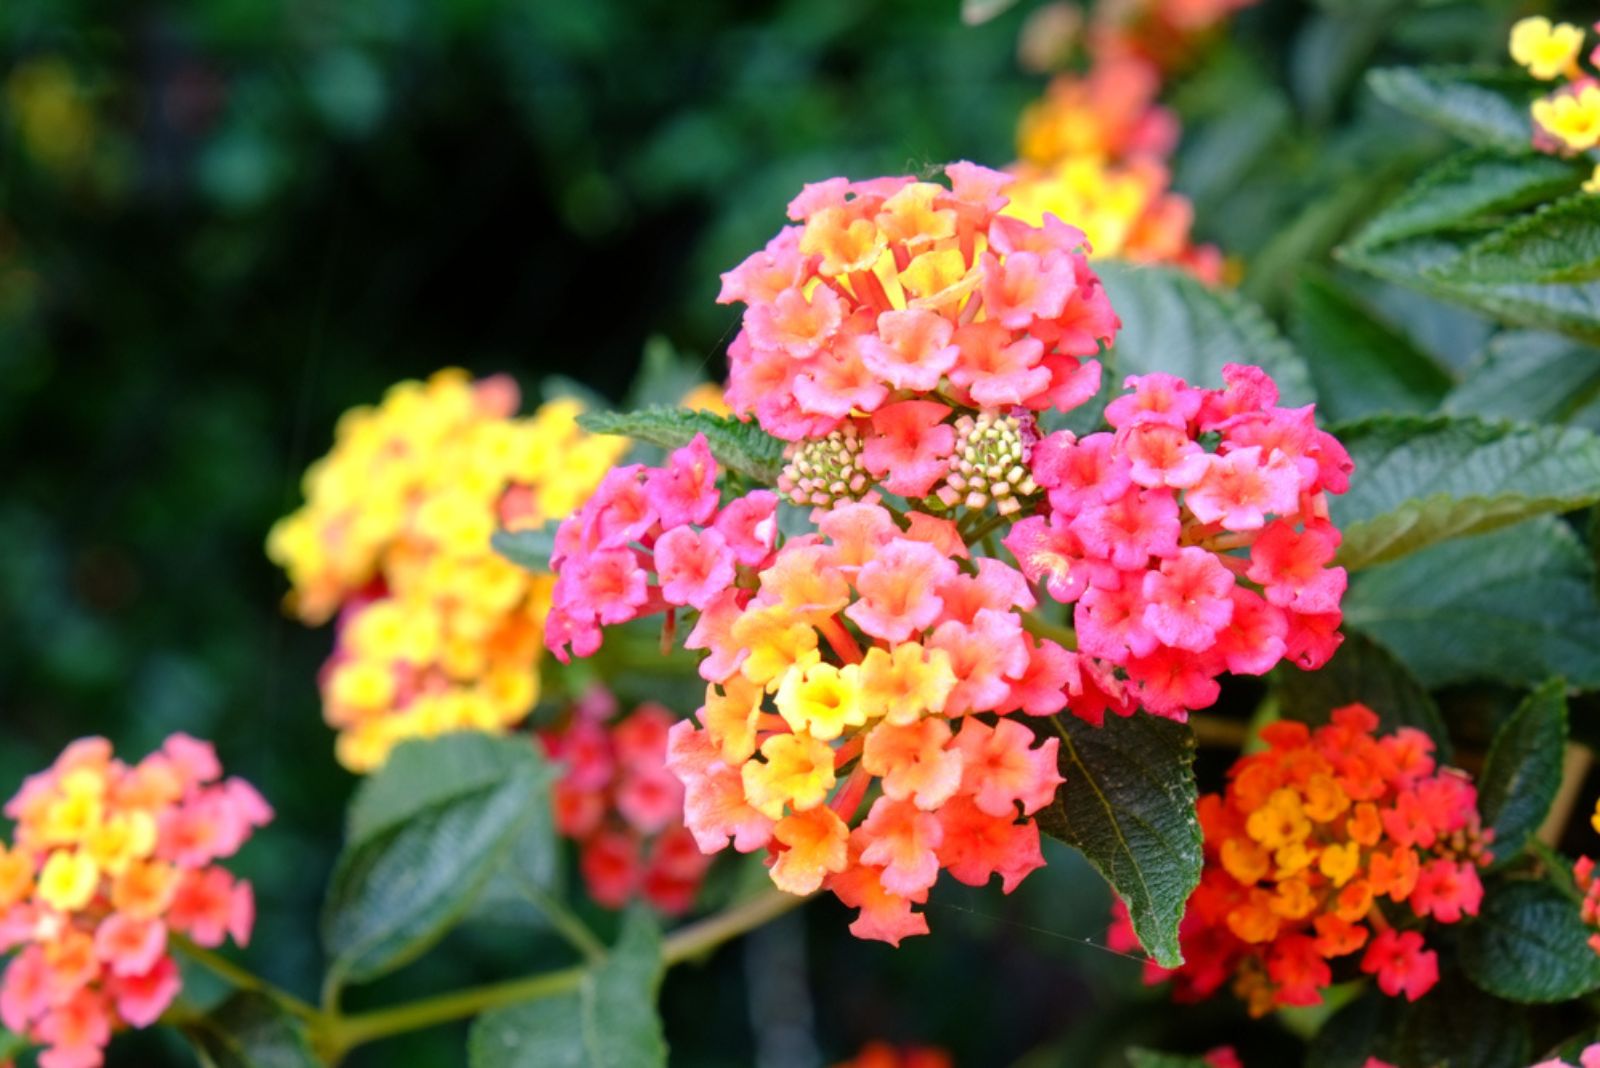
244, 979
567, 925
1065, 637
684, 944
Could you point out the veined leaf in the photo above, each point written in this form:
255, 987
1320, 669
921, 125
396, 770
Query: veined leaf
1361, 672
1467, 188
249, 1030
743, 448
1529, 945
1531, 376
1484, 107
1523, 769
1558, 243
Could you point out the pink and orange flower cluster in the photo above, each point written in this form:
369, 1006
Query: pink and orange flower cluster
108, 861
1311, 853
1192, 538
622, 806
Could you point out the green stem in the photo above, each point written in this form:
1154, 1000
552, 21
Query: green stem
567, 925
1065, 637
687, 943
244, 979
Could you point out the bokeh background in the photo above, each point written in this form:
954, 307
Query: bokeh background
224, 222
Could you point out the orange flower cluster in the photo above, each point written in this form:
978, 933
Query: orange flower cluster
436, 631
1095, 150
1311, 851
107, 861
885, 1055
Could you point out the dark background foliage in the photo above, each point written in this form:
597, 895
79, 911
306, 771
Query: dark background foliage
222, 223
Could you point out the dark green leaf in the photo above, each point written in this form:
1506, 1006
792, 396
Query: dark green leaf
1351, 1035
1462, 190
1422, 480
1523, 769
1534, 377
609, 1021
1516, 606
1530, 945
1456, 1024
1128, 804
249, 1030
1365, 673
1172, 323
529, 549
1484, 107
743, 448
1360, 364
1146, 1058
1558, 243
425, 840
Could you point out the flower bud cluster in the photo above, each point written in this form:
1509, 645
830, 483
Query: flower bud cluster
1309, 854
436, 631
624, 809
1193, 538
107, 861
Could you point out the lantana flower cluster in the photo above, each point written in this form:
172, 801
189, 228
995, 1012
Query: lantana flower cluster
1332, 844
880, 1054
624, 809
1583, 874
107, 862
1567, 120
1095, 149
1193, 537
436, 631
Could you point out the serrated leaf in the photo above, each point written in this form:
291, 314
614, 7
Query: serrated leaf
413, 869
1522, 771
1529, 945
1421, 480
1128, 804
609, 1021
1174, 324
248, 1030
1484, 107
1515, 606
1531, 376
1360, 364
1365, 673
743, 448
1464, 189
1558, 243
530, 549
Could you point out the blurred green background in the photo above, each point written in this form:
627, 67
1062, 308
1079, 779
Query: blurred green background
224, 222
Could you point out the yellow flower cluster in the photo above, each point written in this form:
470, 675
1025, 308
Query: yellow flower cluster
437, 632
1566, 120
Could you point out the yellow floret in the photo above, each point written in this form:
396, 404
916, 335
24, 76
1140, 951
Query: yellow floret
1547, 49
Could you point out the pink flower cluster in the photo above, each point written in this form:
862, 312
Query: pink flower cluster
622, 806
876, 647
108, 861
889, 289
1193, 538
653, 540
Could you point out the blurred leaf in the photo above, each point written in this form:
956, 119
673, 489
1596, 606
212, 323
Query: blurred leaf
665, 376
1361, 365
1146, 1058
1466, 188
1174, 324
1517, 606
1455, 1024
427, 834
248, 1030
1529, 945
1128, 805
743, 448
1350, 1036
1531, 376
1421, 480
609, 1021
529, 549
1484, 107
1361, 672
1559, 242
1522, 772
977, 12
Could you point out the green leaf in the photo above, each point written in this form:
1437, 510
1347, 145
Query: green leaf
1351, 1035
1365, 673
1174, 324
609, 1021
1529, 945
1523, 769
1360, 364
249, 1030
1421, 480
743, 448
427, 835
1558, 243
11, 1044
1148, 1058
1516, 606
1484, 107
1464, 189
665, 376
1531, 376
1128, 805
530, 549
1456, 1024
